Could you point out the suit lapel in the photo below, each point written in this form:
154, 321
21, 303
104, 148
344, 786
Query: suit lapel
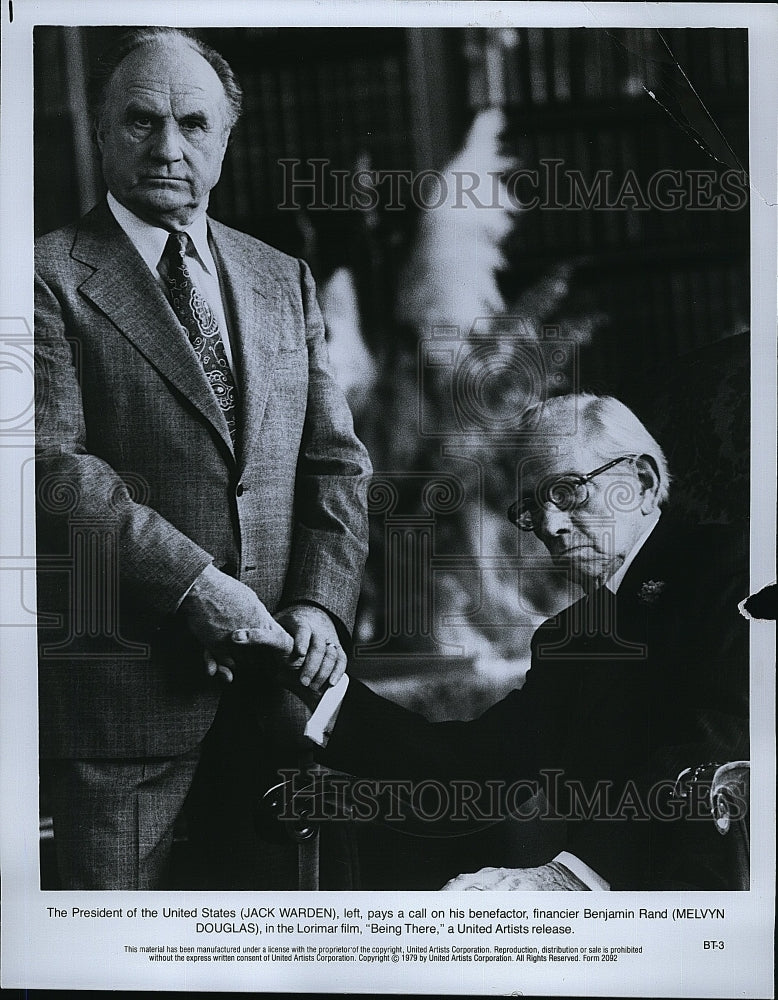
124, 290
254, 300
646, 584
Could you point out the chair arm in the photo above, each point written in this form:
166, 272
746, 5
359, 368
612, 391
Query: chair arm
729, 794
726, 789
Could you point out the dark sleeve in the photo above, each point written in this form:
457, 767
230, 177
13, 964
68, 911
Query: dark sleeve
374, 737
708, 691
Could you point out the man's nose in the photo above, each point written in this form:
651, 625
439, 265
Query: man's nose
166, 143
552, 521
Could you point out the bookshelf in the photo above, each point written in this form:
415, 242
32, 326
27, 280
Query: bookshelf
629, 100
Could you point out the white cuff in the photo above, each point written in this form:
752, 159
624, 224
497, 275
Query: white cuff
582, 871
320, 725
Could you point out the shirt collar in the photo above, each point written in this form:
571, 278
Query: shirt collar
150, 240
614, 581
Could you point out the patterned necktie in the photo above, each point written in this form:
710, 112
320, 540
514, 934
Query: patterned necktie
200, 325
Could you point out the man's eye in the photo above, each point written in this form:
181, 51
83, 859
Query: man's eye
193, 124
141, 122
562, 493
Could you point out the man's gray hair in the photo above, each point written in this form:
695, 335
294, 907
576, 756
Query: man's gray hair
108, 63
603, 423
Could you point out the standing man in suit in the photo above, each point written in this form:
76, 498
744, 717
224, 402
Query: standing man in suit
197, 471
643, 676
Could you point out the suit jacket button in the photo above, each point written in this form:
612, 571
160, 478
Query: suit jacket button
239, 490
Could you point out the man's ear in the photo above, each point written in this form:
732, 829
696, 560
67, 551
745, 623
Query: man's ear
648, 474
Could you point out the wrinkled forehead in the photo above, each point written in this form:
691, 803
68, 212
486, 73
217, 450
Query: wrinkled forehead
167, 72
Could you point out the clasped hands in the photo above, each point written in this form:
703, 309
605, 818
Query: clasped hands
228, 618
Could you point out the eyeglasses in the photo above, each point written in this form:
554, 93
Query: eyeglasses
566, 493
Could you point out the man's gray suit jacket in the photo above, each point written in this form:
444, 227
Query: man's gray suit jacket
139, 486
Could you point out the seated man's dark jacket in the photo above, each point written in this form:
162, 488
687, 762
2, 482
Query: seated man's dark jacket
618, 709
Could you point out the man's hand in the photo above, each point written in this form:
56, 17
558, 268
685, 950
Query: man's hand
215, 606
553, 877
316, 651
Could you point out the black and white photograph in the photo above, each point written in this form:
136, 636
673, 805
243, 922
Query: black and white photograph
389, 436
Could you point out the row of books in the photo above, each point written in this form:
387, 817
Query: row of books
546, 66
664, 312
357, 111
341, 113
617, 239
581, 193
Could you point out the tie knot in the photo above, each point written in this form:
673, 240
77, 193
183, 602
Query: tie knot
177, 245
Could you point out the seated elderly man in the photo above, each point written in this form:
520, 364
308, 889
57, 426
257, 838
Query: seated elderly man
643, 676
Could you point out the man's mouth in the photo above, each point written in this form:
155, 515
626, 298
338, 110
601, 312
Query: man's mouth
573, 549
